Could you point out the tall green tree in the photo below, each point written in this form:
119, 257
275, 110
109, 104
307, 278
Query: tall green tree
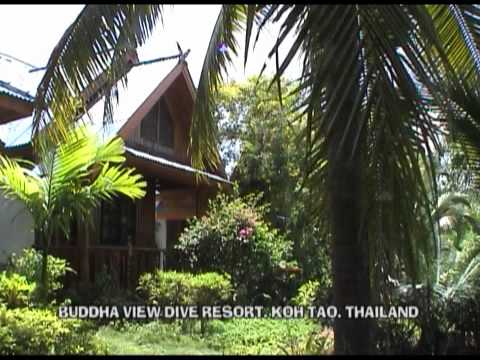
371, 76
69, 181
261, 143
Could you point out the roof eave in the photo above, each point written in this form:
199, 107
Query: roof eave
160, 166
13, 108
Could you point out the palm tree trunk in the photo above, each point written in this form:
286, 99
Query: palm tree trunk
44, 274
84, 253
351, 283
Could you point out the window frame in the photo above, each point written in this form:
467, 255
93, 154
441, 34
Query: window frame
155, 122
126, 232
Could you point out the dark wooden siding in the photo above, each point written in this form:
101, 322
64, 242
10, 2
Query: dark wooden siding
146, 218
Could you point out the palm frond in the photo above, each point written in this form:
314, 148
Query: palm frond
374, 78
454, 37
17, 182
462, 284
115, 180
71, 179
203, 132
251, 12
96, 42
448, 201
458, 29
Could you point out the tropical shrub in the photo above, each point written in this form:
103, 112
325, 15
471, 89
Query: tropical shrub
269, 336
41, 332
463, 323
15, 290
211, 288
105, 289
261, 140
313, 293
29, 265
176, 288
165, 287
397, 336
455, 264
233, 238
445, 324
307, 294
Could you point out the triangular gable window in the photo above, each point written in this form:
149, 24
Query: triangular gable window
157, 127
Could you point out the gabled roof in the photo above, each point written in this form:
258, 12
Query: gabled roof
145, 86
143, 82
141, 111
137, 100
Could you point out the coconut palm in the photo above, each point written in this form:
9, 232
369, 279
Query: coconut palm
454, 213
98, 43
376, 83
69, 181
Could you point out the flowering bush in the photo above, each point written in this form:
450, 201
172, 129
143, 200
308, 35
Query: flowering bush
233, 238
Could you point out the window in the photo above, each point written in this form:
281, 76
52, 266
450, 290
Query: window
148, 127
165, 128
157, 126
118, 222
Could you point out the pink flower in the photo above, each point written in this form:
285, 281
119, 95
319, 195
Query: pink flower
245, 233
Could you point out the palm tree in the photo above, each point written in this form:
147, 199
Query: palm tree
374, 80
68, 182
453, 213
98, 43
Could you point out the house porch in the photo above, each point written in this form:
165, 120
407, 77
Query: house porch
123, 240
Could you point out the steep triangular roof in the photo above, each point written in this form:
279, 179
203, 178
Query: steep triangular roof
145, 87
179, 71
142, 81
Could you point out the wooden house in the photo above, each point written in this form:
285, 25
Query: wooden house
131, 237
15, 225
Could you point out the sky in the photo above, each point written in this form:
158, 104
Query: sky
34, 30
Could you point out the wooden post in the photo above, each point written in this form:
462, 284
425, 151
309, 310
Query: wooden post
128, 266
85, 260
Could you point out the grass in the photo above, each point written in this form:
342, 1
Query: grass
269, 337
153, 338
231, 337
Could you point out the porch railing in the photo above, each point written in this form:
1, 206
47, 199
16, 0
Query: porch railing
123, 264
